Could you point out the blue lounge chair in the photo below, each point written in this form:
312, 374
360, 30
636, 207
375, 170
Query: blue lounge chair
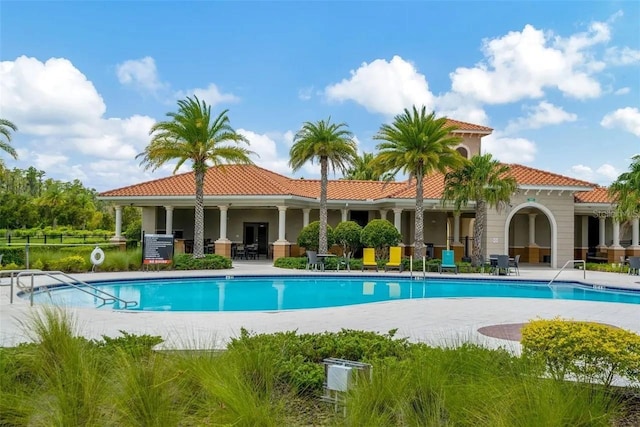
448, 262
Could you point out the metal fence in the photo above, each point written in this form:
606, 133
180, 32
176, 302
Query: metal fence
44, 239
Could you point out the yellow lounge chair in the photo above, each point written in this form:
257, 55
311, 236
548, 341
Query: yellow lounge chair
395, 258
369, 259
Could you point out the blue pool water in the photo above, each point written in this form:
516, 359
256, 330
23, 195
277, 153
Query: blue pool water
291, 293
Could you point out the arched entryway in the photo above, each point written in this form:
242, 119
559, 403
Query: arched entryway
532, 220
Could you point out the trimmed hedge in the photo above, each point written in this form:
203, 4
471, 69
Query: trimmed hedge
209, 262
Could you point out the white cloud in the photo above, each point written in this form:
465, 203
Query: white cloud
541, 115
305, 93
623, 118
61, 120
384, 87
509, 150
267, 150
521, 64
622, 91
211, 95
140, 73
603, 175
622, 56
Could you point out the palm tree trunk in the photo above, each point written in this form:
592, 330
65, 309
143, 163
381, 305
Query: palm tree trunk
478, 231
323, 244
198, 233
419, 224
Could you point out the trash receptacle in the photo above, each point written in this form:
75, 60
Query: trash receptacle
429, 251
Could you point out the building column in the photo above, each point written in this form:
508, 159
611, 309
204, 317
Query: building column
615, 252
118, 222
634, 249
223, 245
383, 213
601, 230
282, 248
305, 216
345, 213
533, 250
168, 220
397, 219
456, 227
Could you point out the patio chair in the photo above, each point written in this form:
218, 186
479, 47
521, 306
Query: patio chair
313, 261
369, 259
240, 252
634, 265
485, 264
344, 261
514, 264
448, 262
503, 264
395, 259
623, 262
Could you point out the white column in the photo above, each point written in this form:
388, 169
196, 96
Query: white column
616, 234
456, 227
585, 231
383, 213
397, 219
601, 230
345, 213
282, 223
223, 221
305, 217
635, 232
532, 229
168, 220
118, 222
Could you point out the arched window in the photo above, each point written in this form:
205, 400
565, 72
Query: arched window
463, 152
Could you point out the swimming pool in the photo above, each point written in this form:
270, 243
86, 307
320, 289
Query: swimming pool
269, 293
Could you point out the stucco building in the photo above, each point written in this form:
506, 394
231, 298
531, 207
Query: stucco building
551, 218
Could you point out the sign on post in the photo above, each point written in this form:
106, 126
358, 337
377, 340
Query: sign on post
157, 249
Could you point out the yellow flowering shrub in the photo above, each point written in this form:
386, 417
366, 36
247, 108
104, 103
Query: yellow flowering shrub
589, 351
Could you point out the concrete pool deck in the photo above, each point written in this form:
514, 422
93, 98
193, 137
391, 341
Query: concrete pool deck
439, 321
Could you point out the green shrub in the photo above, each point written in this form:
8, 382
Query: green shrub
380, 234
296, 263
13, 255
208, 262
136, 346
347, 235
591, 352
70, 264
309, 237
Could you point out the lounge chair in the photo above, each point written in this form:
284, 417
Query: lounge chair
369, 259
515, 264
503, 264
634, 265
395, 259
448, 262
313, 261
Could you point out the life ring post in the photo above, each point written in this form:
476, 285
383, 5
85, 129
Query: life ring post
97, 257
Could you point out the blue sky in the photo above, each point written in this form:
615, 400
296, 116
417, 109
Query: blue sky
559, 82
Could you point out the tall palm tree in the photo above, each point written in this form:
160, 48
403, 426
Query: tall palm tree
5, 140
364, 169
331, 145
193, 134
487, 182
417, 144
625, 191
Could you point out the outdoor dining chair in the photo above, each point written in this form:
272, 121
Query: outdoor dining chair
634, 265
313, 262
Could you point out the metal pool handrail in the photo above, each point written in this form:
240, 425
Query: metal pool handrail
572, 262
74, 283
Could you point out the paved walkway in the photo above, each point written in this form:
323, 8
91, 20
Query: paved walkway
436, 321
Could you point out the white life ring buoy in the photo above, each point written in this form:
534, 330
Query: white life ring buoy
97, 256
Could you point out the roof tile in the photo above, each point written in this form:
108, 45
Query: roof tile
597, 195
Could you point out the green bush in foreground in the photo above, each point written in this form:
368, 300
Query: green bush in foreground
208, 262
275, 380
591, 352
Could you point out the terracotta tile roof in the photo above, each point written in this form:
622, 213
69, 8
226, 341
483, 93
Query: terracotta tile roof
469, 127
251, 180
220, 180
526, 175
597, 195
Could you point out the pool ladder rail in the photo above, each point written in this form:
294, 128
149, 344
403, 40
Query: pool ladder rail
571, 262
66, 280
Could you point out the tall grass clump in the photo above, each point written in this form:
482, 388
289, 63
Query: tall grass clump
72, 373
